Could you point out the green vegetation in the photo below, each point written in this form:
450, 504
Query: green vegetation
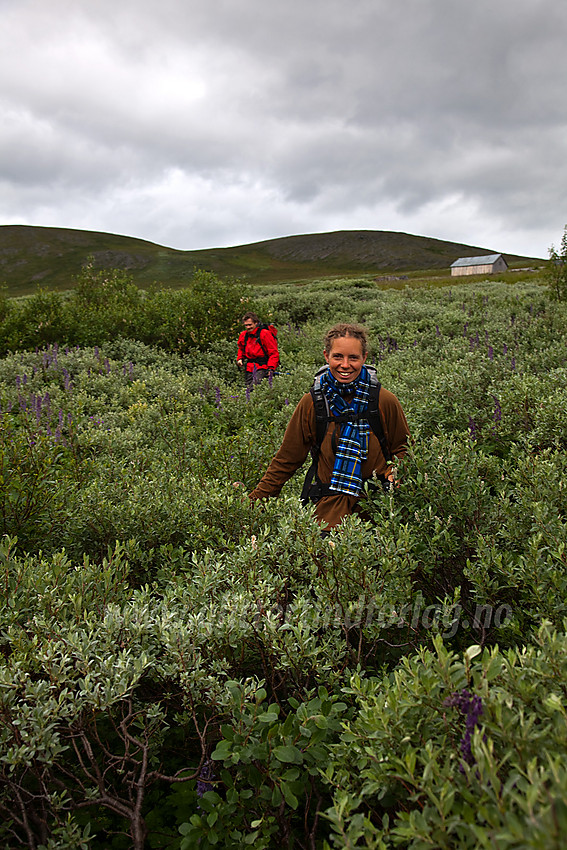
105, 304
557, 269
183, 669
51, 258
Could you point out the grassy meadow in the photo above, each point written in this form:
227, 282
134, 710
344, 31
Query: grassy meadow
181, 668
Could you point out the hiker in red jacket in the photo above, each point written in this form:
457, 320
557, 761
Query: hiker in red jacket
257, 350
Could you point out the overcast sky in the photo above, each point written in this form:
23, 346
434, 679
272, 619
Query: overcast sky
209, 123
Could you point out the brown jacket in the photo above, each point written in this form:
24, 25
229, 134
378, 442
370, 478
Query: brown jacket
300, 436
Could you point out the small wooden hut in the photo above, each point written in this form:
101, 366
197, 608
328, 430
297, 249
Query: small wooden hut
488, 264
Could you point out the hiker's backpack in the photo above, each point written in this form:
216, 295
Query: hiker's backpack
262, 361
313, 488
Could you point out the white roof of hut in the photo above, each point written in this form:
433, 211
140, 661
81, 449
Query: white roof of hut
485, 260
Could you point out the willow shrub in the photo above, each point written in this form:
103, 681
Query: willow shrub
450, 751
187, 669
105, 304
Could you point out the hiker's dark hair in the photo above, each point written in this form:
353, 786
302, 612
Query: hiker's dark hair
344, 329
252, 316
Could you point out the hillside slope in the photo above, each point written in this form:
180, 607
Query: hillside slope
52, 257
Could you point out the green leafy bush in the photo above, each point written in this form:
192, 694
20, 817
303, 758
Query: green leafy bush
447, 752
105, 304
557, 269
182, 668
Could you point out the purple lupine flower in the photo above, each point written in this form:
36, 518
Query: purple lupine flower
218, 396
22, 402
96, 352
473, 428
513, 364
470, 705
248, 391
205, 778
286, 401
490, 353
504, 349
25, 379
66, 379
497, 416
107, 365
465, 328
393, 345
437, 331
18, 382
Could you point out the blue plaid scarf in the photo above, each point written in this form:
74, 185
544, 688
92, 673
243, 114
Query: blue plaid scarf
352, 449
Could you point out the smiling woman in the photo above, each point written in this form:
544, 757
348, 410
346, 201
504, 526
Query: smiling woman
350, 451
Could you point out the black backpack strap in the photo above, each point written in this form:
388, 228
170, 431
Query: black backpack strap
311, 491
375, 419
261, 328
260, 361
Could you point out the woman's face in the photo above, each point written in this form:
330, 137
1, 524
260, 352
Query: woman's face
345, 358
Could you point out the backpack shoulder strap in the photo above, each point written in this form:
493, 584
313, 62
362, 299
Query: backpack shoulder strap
322, 419
373, 413
257, 335
261, 327
321, 405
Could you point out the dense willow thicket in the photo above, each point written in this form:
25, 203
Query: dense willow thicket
183, 669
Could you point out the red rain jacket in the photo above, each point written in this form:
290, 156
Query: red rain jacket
250, 348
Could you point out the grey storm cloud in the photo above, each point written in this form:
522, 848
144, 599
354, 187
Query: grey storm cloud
212, 122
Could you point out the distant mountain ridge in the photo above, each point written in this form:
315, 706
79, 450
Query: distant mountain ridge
52, 257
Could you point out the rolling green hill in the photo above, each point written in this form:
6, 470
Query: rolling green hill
49, 257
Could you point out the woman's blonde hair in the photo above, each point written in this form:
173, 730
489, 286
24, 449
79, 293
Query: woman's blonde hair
344, 329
